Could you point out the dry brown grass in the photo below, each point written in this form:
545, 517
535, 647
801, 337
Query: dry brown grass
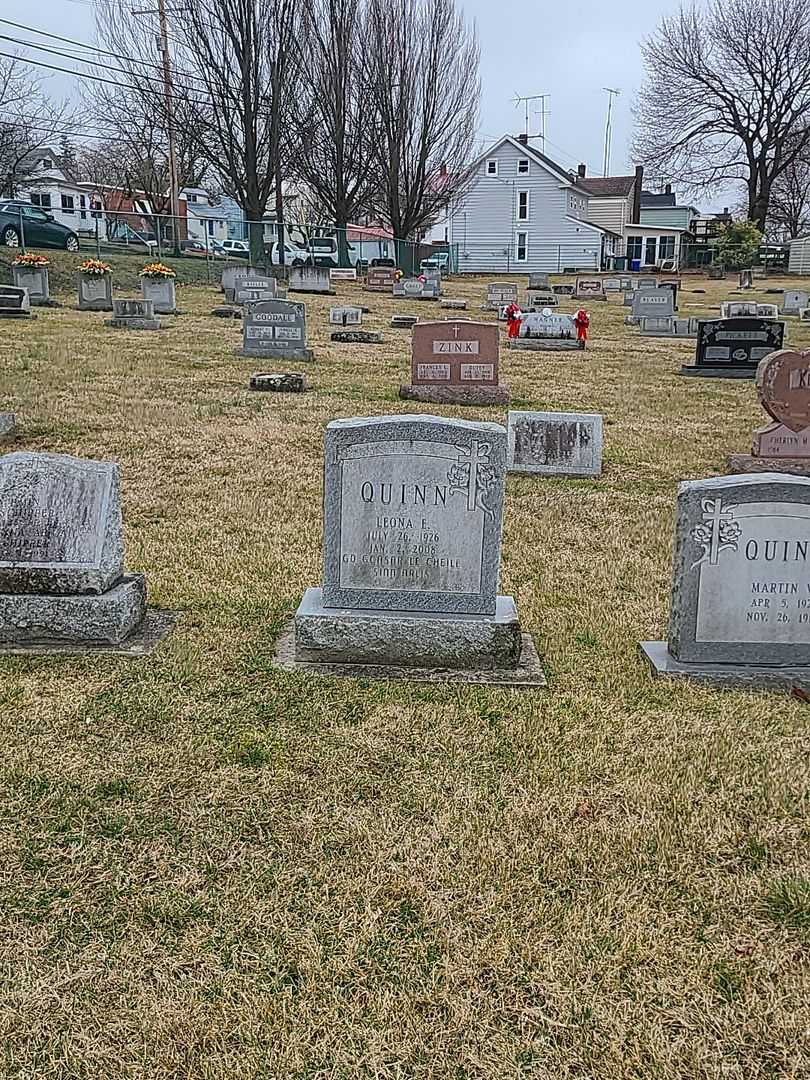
210, 869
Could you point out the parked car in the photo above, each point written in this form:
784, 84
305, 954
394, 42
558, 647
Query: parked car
238, 248
37, 227
293, 255
203, 247
324, 250
440, 259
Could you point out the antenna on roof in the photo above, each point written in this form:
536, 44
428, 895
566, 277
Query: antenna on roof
608, 127
541, 135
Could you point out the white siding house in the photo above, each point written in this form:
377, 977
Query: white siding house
69, 202
525, 212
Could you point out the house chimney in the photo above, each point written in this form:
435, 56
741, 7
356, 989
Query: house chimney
443, 169
523, 139
581, 171
637, 195
668, 189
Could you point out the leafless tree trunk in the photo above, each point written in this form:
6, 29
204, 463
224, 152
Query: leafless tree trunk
27, 118
422, 76
726, 96
789, 211
334, 113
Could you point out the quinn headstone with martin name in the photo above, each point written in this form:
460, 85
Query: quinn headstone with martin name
413, 510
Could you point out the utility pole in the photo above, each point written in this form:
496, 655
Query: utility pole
163, 44
525, 101
608, 128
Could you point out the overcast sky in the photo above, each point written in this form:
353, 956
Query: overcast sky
568, 50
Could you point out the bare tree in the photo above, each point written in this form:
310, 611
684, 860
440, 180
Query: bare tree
28, 118
422, 76
333, 113
726, 96
789, 210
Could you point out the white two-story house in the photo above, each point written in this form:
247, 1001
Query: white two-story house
525, 212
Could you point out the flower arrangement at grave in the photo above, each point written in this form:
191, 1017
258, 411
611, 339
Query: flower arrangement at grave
94, 268
32, 261
157, 271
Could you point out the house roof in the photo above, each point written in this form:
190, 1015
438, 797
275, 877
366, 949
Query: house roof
650, 199
531, 152
608, 186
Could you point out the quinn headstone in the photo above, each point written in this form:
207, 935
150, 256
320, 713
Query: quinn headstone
555, 444
413, 511
455, 362
740, 606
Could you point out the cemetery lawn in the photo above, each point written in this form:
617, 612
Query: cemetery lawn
215, 870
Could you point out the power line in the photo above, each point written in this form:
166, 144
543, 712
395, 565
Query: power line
92, 48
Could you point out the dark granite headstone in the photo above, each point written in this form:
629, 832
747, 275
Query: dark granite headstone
732, 348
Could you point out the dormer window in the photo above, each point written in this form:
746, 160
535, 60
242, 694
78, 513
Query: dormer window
46, 163
523, 165
492, 167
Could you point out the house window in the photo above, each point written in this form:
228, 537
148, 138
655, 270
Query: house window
95, 208
492, 167
210, 228
83, 205
666, 247
523, 165
649, 254
521, 246
46, 163
43, 200
67, 204
523, 206
191, 198
634, 247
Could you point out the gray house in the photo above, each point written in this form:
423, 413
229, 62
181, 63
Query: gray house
525, 212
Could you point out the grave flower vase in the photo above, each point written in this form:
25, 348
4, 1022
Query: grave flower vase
162, 292
35, 279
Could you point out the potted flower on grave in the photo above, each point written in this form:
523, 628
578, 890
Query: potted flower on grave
31, 272
95, 285
158, 285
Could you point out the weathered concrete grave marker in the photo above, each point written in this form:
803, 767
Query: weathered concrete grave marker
310, 279
15, 303
413, 508
555, 444
133, 314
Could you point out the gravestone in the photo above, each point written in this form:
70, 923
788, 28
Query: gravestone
627, 298
381, 279
404, 322
458, 305
8, 427
433, 273
673, 287
647, 283
163, 294
589, 289
500, 293
95, 292
339, 273
414, 289
345, 316
546, 331
413, 509
740, 607
793, 300
783, 388
539, 281
627, 284
746, 279
133, 314
35, 280
612, 284
257, 286
732, 348
561, 290
62, 577
717, 273
455, 362
310, 279
667, 326
357, 337
554, 444
655, 303
804, 315
541, 299
768, 311
233, 273
288, 382
739, 309
15, 303
275, 328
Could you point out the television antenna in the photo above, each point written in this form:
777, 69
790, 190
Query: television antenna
608, 127
526, 101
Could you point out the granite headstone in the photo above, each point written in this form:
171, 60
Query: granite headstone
555, 444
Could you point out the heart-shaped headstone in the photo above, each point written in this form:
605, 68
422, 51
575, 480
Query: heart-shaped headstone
783, 385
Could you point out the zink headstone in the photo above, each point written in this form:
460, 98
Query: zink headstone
555, 444
455, 362
732, 348
740, 609
275, 328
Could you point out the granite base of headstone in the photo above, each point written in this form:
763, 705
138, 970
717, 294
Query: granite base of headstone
455, 362
287, 382
413, 511
733, 348
133, 314
356, 337
740, 605
554, 444
15, 303
63, 585
8, 427
783, 388
95, 292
